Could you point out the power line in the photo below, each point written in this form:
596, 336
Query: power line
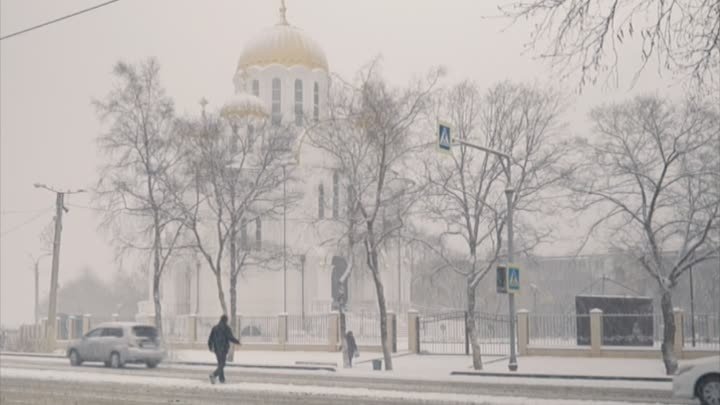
24, 211
24, 223
65, 17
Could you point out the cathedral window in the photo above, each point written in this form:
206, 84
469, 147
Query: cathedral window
243, 234
316, 102
258, 233
298, 102
336, 195
321, 201
276, 101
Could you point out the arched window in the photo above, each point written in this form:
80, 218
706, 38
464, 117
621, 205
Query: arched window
336, 195
298, 102
321, 201
350, 201
243, 234
258, 233
316, 102
276, 102
256, 88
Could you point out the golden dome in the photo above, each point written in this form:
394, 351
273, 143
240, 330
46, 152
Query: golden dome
244, 105
285, 45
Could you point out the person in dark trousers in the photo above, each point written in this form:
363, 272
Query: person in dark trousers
219, 343
352, 349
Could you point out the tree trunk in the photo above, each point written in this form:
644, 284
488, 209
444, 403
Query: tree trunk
471, 326
158, 304
233, 313
668, 343
221, 294
156, 275
374, 269
343, 343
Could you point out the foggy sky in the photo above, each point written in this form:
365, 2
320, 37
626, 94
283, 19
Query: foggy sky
49, 77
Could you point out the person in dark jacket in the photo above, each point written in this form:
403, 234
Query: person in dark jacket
352, 349
219, 343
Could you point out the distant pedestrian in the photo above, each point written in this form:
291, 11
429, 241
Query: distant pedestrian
352, 349
219, 343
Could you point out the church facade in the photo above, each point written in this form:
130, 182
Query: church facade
283, 75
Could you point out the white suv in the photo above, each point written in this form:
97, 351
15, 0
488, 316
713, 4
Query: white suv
118, 343
699, 379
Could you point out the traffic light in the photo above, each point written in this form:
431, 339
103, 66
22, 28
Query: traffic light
501, 276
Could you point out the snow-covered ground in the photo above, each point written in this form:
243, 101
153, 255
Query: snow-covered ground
345, 393
447, 363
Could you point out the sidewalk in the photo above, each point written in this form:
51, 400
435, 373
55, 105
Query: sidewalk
413, 365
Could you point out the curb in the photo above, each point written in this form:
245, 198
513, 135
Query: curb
563, 376
192, 363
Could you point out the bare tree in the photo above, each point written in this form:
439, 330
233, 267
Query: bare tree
653, 171
236, 163
467, 189
589, 35
369, 137
140, 176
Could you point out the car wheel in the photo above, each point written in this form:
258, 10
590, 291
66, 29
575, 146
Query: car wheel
709, 390
75, 358
115, 360
151, 364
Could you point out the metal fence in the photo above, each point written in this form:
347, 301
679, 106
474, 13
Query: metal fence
308, 329
259, 329
446, 333
554, 329
706, 328
365, 327
175, 328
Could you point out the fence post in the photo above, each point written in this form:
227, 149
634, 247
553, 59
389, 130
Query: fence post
86, 323
413, 332
679, 332
192, 328
72, 329
467, 333
282, 329
523, 331
333, 331
596, 320
391, 326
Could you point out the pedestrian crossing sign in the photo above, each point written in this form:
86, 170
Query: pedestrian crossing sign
513, 279
444, 137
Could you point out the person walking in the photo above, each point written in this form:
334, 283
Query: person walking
219, 343
352, 349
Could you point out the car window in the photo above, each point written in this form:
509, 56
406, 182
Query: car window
94, 333
145, 331
113, 332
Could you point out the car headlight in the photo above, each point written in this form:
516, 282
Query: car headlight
684, 369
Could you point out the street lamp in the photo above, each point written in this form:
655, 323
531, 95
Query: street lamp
509, 191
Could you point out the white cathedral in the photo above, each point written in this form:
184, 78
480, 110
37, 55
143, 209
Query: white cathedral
283, 75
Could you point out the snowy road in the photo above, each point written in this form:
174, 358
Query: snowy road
53, 381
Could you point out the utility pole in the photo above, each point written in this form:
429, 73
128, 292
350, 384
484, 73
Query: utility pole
37, 285
50, 331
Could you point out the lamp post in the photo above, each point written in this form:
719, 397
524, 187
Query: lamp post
509, 191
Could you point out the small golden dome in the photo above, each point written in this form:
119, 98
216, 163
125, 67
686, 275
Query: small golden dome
244, 105
283, 44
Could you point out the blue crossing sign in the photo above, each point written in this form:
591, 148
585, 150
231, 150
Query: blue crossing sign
513, 279
444, 137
